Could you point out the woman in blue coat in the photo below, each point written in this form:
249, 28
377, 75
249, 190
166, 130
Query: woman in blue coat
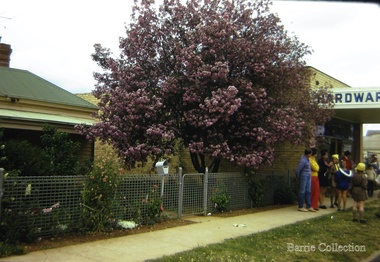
342, 179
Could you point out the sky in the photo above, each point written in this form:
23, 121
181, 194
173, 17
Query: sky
55, 39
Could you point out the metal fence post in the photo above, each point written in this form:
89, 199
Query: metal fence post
162, 185
205, 187
1, 189
180, 193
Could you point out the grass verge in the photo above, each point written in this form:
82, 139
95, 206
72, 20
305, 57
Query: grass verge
326, 238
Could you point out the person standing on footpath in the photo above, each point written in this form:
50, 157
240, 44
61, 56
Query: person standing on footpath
377, 180
347, 158
373, 161
303, 173
371, 176
359, 192
342, 179
349, 163
324, 174
334, 170
314, 179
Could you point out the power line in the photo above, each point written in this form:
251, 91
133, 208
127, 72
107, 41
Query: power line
4, 18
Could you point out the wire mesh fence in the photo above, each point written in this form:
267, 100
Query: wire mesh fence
202, 197
45, 206
235, 186
193, 194
37, 206
272, 182
133, 189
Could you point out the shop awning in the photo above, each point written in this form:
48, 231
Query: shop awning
357, 105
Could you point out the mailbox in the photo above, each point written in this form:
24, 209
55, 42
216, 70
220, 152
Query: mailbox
162, 167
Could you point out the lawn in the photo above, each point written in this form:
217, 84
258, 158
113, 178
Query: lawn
326, 238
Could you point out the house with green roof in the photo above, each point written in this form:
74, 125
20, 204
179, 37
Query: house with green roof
28, 102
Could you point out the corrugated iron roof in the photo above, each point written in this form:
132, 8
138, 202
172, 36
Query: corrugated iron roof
22, 84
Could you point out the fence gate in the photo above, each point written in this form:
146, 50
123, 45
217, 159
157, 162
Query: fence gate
192, 193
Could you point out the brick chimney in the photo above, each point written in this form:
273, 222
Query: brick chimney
5, 54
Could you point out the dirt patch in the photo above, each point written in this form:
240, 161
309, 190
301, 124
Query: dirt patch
78, 238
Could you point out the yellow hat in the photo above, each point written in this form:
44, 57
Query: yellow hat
335, 156
360, 167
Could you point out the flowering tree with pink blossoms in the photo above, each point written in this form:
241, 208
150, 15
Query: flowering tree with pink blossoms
221, 76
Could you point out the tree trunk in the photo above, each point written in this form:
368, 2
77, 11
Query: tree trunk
198, 161
199, 164
214, 167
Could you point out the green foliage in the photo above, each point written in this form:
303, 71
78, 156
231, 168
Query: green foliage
62, 151
2, 148
284, 195
98, 196
255, 189
24, 224
220, 198
83, 167
57, 156
28, 159
18, 226
256, 192
148, 210
21, 227
9, 249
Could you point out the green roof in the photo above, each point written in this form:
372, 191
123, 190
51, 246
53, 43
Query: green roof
22, 84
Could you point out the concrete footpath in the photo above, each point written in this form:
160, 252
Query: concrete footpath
207, 230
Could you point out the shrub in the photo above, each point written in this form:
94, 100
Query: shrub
30, 160
98, 195
220, 198
2, 148
148, 210
255, 188
58, 154
284, 195
29, 219
61, 150
8, 249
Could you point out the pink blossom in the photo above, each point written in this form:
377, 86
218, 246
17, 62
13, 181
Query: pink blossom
230, 86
